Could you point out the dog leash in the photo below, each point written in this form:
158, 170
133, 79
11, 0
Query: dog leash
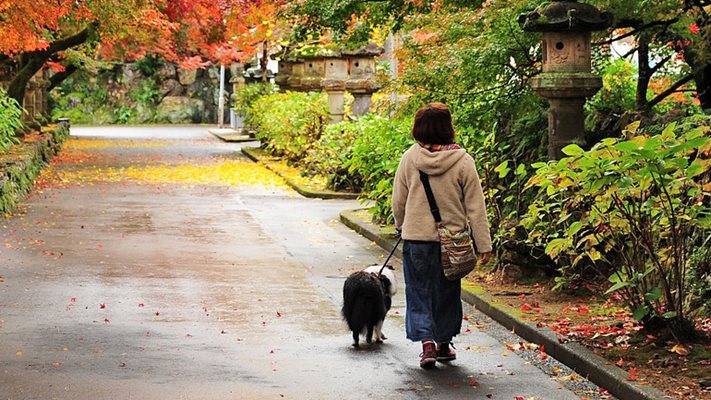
389, 256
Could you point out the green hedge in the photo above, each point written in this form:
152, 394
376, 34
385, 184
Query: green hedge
289, 124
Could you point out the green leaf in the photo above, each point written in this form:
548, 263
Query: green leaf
696, 168
654, 294
572, 150
669, 314
521, 170
617, 286
640, 312
627, 146
574, 228
503, 169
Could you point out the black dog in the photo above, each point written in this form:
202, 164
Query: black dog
367, 298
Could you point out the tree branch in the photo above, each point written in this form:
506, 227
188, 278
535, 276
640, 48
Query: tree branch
638, 29
671, 90
34, 60
59, 77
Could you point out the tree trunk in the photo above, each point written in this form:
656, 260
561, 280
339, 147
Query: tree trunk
702, 78
18, 85
645, 72
265, 61
59, 77
33, 61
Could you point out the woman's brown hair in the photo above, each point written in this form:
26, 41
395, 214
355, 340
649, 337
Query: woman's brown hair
433, 125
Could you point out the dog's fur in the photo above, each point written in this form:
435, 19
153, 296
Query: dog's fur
367, 298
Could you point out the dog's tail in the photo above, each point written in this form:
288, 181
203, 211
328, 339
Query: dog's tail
363, 312
363, 303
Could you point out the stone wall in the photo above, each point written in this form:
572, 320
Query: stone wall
135, 94
20, 166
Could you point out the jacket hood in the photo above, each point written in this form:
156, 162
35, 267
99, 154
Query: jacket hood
437, 162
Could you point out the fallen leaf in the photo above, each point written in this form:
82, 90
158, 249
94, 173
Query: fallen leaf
680, 349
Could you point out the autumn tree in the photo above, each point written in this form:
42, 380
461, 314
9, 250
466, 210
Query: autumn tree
671, 39
256, 27
35, 31
188, 32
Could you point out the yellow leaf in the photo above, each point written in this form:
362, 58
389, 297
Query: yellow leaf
680, 349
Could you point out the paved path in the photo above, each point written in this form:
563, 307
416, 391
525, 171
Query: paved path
123, 279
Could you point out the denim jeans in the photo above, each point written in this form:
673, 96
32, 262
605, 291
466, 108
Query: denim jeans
434, 304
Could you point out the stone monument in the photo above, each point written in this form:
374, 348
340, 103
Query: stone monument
314, 68
566, 80
334, 83
361, 81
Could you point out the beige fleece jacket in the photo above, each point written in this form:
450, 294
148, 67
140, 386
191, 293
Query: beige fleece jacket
457, 190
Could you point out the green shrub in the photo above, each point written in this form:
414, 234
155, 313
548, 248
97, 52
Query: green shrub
639, 206
329, 156
247, 95
289, 124
377, 149
10, 113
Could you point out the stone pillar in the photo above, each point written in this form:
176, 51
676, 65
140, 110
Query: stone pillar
361, 83
567, 79
334, 82
284, 74
361, 80
297, 73
237, 77
314, 69
29, 102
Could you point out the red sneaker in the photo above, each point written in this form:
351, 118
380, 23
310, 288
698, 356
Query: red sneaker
445, 352
429, 355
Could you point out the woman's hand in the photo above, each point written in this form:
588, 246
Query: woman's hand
484, 257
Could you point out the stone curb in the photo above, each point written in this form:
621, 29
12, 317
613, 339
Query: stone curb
231, 137
577, 357
301, 189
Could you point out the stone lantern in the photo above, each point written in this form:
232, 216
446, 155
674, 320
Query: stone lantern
361, 82
297, 73
284, 74
567, 79
334, 83
313, 74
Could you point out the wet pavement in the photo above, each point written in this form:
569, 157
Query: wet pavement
124, 277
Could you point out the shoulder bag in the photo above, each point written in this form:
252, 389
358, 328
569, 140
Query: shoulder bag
458, 255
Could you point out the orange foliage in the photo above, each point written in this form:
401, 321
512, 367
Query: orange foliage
24, 22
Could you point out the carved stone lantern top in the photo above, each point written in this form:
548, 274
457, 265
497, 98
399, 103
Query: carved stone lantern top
369, 50
566, 16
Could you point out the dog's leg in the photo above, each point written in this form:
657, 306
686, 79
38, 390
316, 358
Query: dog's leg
356, 339
369, 335
379, 337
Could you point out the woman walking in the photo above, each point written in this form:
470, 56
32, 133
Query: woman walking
434, 307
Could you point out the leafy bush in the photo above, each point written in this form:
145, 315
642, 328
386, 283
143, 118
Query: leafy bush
329, 156
289, 124
10, 113
639, 206
375, 155
247, 95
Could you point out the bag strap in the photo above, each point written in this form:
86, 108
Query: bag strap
430, 197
